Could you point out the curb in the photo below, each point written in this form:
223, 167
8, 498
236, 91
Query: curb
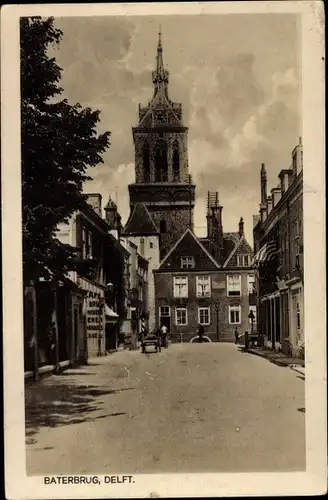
297, 370
278, 362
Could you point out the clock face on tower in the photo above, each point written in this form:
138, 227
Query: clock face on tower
161, 116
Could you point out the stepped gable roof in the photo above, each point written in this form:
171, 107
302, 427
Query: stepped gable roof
188, 245
140, 222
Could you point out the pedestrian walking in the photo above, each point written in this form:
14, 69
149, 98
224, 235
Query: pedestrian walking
200, 332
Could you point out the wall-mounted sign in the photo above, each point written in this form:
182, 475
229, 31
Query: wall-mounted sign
95, 314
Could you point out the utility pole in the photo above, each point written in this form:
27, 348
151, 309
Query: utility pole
190, 209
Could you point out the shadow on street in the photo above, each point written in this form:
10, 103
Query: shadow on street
58, 401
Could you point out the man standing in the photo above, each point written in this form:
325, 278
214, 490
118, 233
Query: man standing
236, 335
164, 335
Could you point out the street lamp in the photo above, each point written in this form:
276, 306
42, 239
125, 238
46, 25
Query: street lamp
217, 309
251, 317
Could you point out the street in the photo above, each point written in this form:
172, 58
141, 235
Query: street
191, 408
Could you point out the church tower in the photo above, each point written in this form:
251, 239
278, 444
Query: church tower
163, 183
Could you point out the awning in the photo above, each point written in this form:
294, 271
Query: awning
110, 314
266, 253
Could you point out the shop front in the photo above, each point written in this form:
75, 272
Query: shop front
94, 317
296, 318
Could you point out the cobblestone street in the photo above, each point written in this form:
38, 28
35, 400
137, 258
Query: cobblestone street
190, 408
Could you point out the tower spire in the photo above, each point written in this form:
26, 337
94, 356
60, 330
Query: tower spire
160, 75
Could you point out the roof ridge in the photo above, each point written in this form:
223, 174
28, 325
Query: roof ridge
188, 230
140, 220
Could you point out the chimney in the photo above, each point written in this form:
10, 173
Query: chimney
263, 185
276, 195
256, 219
94, 200
269, 204
241, 227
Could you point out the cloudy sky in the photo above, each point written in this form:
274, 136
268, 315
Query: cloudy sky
237, 76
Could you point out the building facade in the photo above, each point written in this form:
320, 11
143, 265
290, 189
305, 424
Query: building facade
162, 180
194, 288
278, 243
104, 287
141, 231
137, 287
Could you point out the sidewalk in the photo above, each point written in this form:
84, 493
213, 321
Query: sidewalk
65, 365
279, 358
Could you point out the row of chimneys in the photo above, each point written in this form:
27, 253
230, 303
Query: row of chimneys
286, 176
111, 214
214, 217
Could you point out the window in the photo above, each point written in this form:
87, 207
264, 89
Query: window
251, 283
234, 315
180, 286
203, 286
176, 162
243, 260
187, 262
298, 316
142, 246
161, 166
88, 248
84, 243
234, 285
146, 162
151, 244
204, 315
180, 316
164, 311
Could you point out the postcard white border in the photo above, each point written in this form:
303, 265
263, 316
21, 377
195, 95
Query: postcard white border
314, 480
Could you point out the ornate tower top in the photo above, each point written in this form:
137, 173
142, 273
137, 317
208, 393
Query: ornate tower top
160, 75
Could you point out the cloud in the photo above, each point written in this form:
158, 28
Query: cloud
240, 97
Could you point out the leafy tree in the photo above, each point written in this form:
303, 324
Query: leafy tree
59, 142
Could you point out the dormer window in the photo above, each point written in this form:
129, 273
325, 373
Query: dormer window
243, 260
187, 262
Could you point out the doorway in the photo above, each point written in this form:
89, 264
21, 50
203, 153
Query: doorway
165, 317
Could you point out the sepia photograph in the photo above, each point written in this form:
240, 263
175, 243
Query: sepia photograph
164, 326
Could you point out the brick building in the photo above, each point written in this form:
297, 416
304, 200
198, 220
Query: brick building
278, 243
206, 281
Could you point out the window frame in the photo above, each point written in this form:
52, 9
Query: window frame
234, 309
165, 315
84, 242
181, 308
204, 308
176, 287
241, 260
88, 248
229, 294
200, 278
248, 283
191, 261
